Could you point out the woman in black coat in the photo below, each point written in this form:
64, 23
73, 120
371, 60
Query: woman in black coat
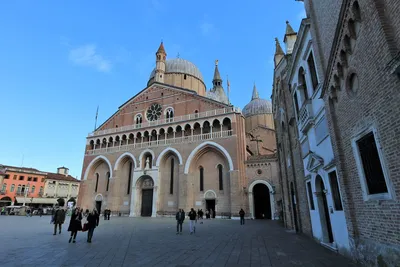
92, 221
75, 224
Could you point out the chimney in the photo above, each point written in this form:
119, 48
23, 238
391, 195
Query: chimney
63, 170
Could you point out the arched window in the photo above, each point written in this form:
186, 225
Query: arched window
171, 184
19, 188
169, 114
313, 71
201, 169
108, 180
97, 182
41, 190
12, 188
4, 187
138, 120
303, 84
220, 177
33, 189
129, 178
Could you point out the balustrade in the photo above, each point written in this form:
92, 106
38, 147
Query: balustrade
183, 118
162, 142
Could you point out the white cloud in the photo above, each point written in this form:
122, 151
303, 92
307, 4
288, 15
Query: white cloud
206, 27
86, 55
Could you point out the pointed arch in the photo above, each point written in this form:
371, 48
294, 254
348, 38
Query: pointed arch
126, 154
93, 162
165, 151
212, 144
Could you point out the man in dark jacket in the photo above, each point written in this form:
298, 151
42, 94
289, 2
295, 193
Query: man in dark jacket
180, 217
192, 217
59, 218
241, 214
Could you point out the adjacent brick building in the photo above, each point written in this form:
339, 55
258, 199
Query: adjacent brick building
356, 46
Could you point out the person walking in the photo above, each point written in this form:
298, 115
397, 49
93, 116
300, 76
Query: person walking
241, 214
92, 221
75, 224
58, 220
180, 217
192, 217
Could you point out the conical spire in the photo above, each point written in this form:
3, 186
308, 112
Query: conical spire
161, 48
289, 29
255, 93
217, 76
278, 48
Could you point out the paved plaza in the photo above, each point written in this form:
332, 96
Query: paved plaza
126, 241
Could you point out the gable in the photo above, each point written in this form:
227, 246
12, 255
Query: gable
181, 101
314, 162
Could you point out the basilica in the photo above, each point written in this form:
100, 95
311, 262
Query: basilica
177, 144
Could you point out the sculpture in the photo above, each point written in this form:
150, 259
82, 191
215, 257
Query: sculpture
147, 163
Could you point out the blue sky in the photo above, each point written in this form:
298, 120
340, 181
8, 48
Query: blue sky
59, 60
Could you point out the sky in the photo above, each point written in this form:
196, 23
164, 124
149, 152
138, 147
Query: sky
59, 60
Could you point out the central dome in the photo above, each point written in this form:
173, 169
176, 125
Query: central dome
179, 65
257, 105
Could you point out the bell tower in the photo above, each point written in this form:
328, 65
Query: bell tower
161, 56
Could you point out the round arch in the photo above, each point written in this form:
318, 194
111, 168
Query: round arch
169, 149
126, 154
212, 144
271, 197
95, 161
210, 194
142, 154
98, 197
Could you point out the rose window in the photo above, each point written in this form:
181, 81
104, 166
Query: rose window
154, 112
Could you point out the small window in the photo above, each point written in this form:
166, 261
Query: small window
42, 180
313, 71
97, 182
220, 177
201, 179
21, 178
15, 177
108, 181
29, 178
337, 199
7, 176
371, 165
310, 196
35, 179
184, 76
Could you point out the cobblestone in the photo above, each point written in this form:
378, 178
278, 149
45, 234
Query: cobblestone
126, 241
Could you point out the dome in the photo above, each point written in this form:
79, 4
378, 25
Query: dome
179, 65
257, 105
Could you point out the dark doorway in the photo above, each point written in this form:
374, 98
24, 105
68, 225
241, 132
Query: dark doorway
326, 213
294, 206
98, 206
147, 202
262, 202
210, 205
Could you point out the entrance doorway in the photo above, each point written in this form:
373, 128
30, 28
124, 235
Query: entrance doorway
98, 206
294, 206
147, 202
210, 205
324, 210
262, 202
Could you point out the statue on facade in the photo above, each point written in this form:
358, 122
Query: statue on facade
147, 167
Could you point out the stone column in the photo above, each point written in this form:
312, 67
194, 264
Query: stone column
155, 199
251, 205
132, 212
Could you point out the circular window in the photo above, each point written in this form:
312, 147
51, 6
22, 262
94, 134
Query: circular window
259, 171
154, 112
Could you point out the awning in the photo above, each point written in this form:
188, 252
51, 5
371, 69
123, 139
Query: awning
37, 200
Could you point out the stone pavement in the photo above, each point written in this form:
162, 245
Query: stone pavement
126, 241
